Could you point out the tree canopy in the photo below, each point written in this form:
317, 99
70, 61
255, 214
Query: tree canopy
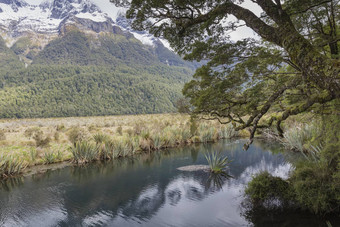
253, 83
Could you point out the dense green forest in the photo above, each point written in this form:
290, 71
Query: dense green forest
81, 75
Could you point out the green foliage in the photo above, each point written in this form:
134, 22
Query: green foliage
100, 138
216, 162
251, 83
20, 46
296, 137
314, 182
8, 59
183, 105
30, 132
81, 75
59, 91
10, 165
206, 134
33, 154
50, 157
107, 150
41, 140
265, 189
193, 125
227, 132
76, 135
84, 152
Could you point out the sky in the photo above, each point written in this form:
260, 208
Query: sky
111, 10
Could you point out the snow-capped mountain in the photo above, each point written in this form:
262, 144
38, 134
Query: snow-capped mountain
49, 19
18, 17
14, 4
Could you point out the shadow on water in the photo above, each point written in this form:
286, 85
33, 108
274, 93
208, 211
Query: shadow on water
147, 190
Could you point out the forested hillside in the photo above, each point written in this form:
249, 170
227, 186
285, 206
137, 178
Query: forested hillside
81, 74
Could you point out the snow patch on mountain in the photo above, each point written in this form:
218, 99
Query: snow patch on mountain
27, 19
92, 16
48, 17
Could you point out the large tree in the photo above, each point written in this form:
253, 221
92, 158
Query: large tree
292, 68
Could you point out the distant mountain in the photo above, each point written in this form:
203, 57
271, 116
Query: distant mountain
71, 54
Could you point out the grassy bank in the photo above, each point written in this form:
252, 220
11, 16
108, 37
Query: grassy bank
29, 142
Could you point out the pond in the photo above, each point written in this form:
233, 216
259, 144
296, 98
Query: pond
150, 191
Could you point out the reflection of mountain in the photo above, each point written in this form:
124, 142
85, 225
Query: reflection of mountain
147, 190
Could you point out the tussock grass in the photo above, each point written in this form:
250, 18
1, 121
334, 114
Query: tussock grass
216, 162
84, 152
10, 165
86, 139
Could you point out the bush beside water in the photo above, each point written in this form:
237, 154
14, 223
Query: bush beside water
314, 184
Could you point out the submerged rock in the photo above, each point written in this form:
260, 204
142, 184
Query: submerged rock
193, 168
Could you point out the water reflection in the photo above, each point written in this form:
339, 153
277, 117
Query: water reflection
148, 190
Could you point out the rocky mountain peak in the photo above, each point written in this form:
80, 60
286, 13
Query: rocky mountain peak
61, 9
15, 4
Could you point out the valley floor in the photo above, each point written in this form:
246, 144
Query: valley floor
32, 142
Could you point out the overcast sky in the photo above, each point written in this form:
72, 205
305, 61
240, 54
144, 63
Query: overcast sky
110, 9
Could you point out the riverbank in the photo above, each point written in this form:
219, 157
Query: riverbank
27, 143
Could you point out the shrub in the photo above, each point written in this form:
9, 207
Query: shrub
56, 136
316, 186
60, 127
265, 189
297, 137
41, 140
206, 134
31, 132
227, 132
138, 128
84, 152
157, 141
122, 149
129, 132
33, 154
100, 138
2, 135
49, 157
106, 150
76, 135
120, 130
185, 133
10, 165
193, 126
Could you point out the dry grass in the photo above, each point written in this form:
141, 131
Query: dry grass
141, 133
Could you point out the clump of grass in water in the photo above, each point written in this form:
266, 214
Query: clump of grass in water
10, 166
216, 162
84, 152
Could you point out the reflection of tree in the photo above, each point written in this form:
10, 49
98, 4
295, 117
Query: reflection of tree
139, 187
280, 217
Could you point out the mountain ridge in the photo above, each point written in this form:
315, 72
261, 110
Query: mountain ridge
74, 60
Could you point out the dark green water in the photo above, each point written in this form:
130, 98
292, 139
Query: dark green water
149, 191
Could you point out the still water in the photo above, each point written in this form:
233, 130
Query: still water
149, 191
